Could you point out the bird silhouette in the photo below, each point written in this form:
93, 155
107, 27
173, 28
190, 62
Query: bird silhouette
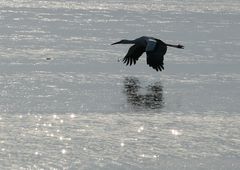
154, 48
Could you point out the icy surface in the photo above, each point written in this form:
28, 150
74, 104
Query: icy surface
67, 103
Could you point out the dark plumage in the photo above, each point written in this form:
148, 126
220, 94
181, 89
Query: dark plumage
154, 48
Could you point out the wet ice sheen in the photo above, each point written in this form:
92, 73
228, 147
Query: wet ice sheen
82, 109
135, 140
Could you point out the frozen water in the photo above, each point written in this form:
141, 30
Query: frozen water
67, 103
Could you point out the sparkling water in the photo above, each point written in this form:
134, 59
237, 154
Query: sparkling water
68, 103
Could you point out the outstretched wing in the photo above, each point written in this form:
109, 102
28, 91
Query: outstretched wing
155, 57
133, 54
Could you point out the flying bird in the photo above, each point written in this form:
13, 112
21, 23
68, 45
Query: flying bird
154, 48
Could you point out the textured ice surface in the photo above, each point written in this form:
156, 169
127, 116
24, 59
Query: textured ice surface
67, 103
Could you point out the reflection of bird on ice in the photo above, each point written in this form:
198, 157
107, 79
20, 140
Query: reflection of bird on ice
151, 99
154, 48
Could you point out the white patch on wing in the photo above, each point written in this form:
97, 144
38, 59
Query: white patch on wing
151, 44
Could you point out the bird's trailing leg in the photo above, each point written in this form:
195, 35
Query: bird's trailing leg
180, 46
176, 46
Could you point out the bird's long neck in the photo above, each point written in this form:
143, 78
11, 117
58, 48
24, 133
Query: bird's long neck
124, 42
127, 42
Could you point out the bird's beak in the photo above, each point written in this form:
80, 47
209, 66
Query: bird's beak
115, 43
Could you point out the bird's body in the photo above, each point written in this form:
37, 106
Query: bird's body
154, 48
